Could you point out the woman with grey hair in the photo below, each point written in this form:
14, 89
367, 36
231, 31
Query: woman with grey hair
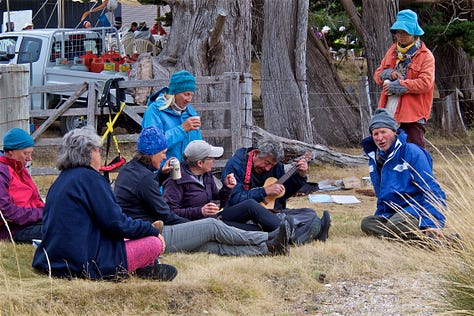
85, 232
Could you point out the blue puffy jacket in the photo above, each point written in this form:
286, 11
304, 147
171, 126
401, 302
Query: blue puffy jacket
406, 182
170, 122
237, 165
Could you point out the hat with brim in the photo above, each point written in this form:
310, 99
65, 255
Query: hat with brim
407, 20
200, 150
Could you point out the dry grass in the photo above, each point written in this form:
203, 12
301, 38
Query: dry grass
349, 274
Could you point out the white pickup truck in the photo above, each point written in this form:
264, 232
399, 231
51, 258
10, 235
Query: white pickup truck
54, 57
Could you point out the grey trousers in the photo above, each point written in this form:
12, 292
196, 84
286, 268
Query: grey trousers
400, 225
213, 236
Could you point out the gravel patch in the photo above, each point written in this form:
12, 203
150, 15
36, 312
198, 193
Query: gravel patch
391, 296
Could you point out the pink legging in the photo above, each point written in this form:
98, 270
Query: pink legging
142, 252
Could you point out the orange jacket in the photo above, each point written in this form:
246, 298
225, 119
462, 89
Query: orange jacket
416, 103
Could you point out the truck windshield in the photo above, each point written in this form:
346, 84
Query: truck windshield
4, 43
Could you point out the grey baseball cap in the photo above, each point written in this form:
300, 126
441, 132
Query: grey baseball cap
200, 149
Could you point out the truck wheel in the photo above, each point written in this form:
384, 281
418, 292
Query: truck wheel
68, 123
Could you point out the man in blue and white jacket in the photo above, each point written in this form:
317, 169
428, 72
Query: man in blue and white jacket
409, 198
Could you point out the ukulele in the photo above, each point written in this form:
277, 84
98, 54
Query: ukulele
269, 201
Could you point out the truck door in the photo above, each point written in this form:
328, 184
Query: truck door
29, 53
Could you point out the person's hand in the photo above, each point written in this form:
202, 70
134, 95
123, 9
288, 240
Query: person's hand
230, 181
433, 232
166, 169
210, 209
274, 189
160, 236
302, 167
192, 123
395, 75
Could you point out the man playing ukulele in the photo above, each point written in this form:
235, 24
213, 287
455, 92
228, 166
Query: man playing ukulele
257, 171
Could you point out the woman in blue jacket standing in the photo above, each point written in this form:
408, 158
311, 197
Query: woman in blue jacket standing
169, 110
409, 199
85, 232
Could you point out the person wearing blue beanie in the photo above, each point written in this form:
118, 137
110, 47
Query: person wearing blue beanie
151, 141
20, 201
137, 191
407, 75
16, 138
170, 111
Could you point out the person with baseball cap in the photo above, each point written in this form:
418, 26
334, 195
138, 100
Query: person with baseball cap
137, 189
407, 77
20, 202
409, 199
195, 195
170, 110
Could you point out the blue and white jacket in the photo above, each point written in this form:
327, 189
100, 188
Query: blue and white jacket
170, 123
405, 182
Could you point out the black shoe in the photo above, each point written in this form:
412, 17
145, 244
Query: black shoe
280, 244
325, 225
158, 271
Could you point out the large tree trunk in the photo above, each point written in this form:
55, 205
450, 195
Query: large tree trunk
208, 38
283, 69
374, 30
335, 115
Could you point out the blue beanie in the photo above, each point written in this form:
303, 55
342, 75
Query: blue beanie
151, 141
182, 81
407, 20
382, 119
16, 138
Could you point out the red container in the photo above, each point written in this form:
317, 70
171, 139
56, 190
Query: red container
88, 57
97, 64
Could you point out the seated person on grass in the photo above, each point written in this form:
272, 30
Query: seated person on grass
85, 233
252, 167
409, 199
21, 205
137, 189
194, 194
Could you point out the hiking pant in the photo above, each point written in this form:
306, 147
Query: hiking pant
213, 236
27, 234
249, 210
399, 225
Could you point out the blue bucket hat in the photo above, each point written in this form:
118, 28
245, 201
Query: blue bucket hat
16, 138
182, 81
151, 141
407, 20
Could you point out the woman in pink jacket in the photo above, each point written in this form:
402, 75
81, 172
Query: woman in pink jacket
407, 73
20, 203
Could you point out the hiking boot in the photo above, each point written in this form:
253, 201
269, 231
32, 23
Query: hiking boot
158, 271
325, 225
280, 245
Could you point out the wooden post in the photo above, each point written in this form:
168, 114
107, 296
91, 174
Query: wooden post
234, 98
364, 106
14, 98
246, 110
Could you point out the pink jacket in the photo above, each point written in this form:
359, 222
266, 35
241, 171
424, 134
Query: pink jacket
416, 103
20, 201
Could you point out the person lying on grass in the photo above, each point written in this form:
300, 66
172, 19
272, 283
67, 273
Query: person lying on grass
137, 189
